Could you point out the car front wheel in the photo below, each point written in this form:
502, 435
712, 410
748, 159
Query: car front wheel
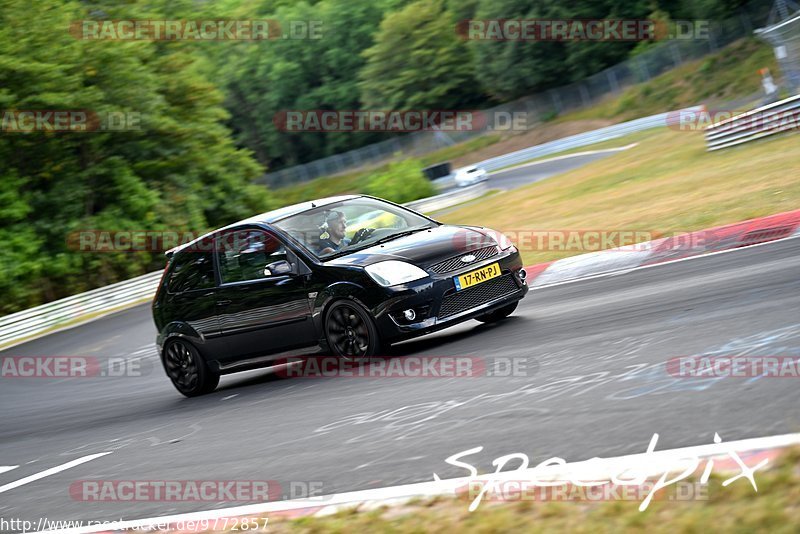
350, 331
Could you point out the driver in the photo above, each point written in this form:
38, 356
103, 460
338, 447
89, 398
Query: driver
335, 226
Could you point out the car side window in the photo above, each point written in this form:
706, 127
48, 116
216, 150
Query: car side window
245, 254
191, 270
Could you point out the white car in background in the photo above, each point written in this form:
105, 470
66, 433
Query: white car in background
469, 175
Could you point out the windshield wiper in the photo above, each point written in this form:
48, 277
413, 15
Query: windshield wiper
392, 237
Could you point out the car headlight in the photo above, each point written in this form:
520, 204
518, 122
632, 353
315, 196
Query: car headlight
393, 272
502, 240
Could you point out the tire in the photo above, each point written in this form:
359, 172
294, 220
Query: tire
187, 370
498, 315
350, 331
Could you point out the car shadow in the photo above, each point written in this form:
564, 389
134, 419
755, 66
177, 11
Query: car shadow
276, 377
439, 339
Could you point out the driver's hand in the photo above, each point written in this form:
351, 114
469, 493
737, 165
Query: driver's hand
359, 235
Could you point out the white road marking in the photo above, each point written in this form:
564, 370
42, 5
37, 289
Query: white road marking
583, 470
51, 471
565, 156
5, 468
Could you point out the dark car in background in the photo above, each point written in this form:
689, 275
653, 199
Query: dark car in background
348, 274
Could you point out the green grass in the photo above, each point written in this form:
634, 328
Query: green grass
727, 75
733, 508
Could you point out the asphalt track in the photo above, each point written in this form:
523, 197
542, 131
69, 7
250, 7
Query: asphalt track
595, 385
536, 171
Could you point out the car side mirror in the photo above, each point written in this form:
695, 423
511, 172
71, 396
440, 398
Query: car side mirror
278, 268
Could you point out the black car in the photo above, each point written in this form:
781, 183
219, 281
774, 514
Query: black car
349, 274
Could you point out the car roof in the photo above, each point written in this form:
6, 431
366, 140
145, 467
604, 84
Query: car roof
269, 217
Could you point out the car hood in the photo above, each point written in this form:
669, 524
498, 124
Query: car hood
422, 248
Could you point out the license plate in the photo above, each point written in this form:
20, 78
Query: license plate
477, 276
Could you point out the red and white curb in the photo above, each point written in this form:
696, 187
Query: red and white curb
754, 454
615, 260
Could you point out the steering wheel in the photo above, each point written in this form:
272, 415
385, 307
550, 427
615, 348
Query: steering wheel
361, 235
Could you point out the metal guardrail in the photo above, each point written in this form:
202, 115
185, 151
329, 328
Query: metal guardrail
448, 199
781, 116
26, 324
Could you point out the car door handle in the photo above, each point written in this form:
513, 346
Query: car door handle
223, 302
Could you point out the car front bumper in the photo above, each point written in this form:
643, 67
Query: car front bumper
438, 304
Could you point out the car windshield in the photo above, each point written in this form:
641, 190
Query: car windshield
343, 227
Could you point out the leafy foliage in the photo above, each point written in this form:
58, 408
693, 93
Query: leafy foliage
180, 170
401, 182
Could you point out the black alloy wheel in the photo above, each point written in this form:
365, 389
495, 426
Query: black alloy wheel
189, 373
350, 332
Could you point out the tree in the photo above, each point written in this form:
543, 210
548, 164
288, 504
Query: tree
418, 62
177, 168
264, 79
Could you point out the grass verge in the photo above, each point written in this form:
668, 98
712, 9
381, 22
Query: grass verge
733, 508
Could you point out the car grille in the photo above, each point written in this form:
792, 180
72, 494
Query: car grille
455, 263
475, 296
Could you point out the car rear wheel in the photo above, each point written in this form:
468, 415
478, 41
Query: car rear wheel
350, 331
499, 314
189, 373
